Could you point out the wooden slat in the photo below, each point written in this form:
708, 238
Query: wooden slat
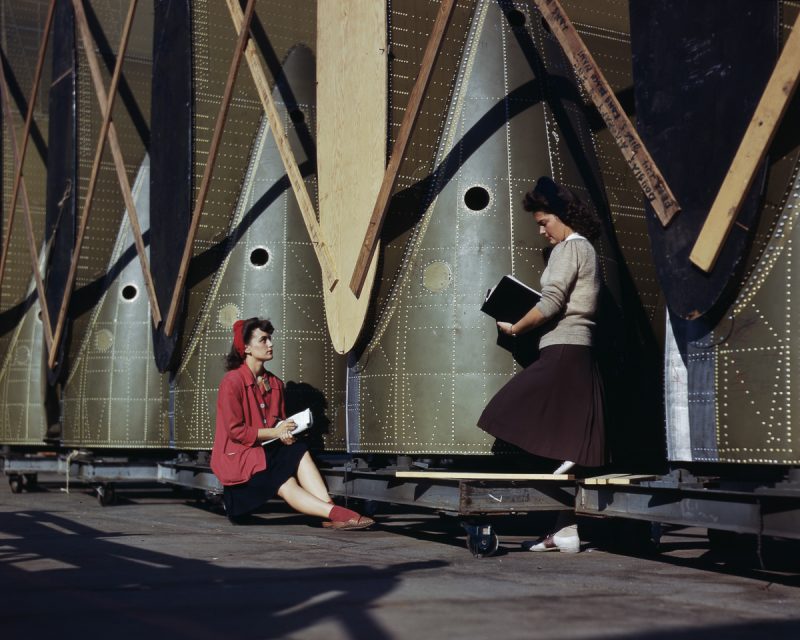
107, 131
604, 479
752, 150
205, 183
6, 100
591, 77
458, 475
321, 248
37, 76
370, 243
631, 479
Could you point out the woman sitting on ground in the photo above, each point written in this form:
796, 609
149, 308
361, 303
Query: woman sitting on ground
251, 412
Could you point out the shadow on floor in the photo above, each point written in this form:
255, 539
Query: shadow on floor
56, 575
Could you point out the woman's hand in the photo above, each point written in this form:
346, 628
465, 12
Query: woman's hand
284, 431
507, 328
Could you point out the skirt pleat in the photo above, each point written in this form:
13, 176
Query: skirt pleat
553, 408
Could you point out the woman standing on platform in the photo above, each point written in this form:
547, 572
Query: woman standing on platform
250, 412
554, 407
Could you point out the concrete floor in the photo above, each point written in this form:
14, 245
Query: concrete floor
157, 565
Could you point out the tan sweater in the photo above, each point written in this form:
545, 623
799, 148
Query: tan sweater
570, 288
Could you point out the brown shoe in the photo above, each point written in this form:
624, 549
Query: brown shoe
362, 522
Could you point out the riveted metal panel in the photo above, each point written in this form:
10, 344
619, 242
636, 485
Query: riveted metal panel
113, 397
268, 268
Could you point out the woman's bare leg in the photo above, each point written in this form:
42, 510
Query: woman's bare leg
301, 500
310, 478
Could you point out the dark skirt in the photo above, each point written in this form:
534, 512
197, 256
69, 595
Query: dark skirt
282, 463
553, 408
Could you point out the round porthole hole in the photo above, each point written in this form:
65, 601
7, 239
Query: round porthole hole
476, 198
129, 292
259, 257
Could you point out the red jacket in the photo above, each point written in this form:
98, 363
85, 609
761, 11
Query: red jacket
242, 409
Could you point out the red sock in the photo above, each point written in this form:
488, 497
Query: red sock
340, 514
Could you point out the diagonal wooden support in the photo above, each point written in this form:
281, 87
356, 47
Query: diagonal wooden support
37, 76
107, 131
321, 248
6, 100
219, 126
752, 150
370, 243
644, 168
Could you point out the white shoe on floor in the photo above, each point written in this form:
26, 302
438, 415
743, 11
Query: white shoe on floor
565, 540
565, 466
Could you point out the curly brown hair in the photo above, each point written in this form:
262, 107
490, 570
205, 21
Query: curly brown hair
233, 360
553, 198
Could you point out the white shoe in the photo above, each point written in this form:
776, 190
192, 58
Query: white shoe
565, 466
565, 540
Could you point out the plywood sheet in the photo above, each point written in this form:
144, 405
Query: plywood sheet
352, 91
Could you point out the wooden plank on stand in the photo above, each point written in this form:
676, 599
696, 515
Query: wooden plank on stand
604, 479
465, 475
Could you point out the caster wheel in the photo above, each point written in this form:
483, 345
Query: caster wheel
482, 542
15, 482
106, 494
213, 499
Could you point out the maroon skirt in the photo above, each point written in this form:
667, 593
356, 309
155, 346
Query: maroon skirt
553, 408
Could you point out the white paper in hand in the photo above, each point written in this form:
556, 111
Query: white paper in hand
304, 419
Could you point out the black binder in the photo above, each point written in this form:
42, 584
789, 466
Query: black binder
509, 300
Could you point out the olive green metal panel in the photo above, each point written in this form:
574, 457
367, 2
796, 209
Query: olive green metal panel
757, 390
431, 365
21, 28
131, 116
410, 25
113, 396
22, 381
279, 26
268, 269
731, 392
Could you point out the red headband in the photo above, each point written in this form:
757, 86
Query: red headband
238, 337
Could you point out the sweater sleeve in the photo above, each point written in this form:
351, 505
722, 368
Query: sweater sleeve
562, 271
230, 413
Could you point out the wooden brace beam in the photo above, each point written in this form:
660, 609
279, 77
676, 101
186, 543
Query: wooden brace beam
236, 61
591, 77
752, 150
370, 243
321, 248
37, 77
107, 130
